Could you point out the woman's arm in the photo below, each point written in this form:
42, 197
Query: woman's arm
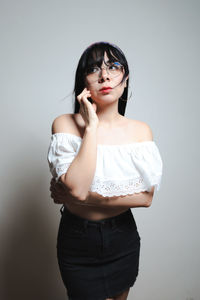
80, 173
143, 199
61, 195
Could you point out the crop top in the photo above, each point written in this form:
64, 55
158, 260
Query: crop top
120, 169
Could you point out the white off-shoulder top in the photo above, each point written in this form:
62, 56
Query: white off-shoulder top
120, 169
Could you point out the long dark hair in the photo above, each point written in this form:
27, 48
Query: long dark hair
94, 55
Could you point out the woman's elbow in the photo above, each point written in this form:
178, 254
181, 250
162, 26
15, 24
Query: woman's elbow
75, 193
148, 201
149, 197
79, 196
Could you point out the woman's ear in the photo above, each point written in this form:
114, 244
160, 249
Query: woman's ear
126, 81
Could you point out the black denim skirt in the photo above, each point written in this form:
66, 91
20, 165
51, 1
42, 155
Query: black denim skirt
97, 259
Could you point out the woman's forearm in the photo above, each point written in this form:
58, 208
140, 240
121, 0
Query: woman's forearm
80, 174
142, 199
61, 194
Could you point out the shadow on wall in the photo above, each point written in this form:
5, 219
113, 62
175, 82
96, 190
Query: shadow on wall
29, 264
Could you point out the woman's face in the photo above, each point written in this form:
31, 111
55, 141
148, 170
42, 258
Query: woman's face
106, 79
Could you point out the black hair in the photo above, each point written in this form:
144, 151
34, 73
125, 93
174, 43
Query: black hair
94, 55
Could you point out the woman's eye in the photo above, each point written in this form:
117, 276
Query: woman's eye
92, 70
115, 66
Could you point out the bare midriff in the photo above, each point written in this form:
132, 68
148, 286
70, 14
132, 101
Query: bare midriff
94, 213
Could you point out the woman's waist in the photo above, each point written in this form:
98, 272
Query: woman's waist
94, 213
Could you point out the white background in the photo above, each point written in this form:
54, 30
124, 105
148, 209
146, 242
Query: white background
41, 43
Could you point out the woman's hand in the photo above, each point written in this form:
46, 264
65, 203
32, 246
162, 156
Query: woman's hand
87, 109
61, 195
58, 192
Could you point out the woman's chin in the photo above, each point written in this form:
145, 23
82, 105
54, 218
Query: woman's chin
105, 98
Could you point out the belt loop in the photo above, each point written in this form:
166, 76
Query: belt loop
62, 209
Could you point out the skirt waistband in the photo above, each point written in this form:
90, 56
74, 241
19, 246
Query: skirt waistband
119, 219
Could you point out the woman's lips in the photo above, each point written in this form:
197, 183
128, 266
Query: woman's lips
106, 90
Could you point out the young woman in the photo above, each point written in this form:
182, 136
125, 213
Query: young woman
102, 164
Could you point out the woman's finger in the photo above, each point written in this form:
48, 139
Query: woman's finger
80, 97
84, 93
56, 199
56, 187
53, 181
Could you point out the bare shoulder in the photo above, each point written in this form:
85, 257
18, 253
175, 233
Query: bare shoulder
63, 123
141, 129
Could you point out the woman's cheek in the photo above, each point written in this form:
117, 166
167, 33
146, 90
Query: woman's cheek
93, 94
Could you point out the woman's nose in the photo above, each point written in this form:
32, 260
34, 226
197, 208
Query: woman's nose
104, 75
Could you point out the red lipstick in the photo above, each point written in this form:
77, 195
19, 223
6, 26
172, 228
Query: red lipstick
105, 89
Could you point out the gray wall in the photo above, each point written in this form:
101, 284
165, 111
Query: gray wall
41, 42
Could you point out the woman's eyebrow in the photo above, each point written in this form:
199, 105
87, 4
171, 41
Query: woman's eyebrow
110, 61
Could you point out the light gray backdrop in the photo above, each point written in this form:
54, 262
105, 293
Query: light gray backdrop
41, 43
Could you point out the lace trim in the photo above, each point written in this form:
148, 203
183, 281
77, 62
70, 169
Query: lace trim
63, 168
109, 188
118, 187
58, 171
